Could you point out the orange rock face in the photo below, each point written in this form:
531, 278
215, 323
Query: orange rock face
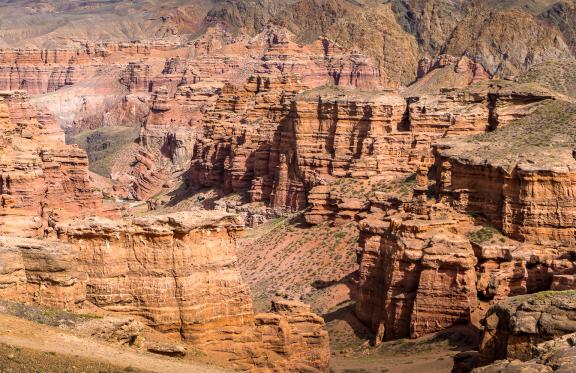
416, 276
43, 180
178, 272
132, 265
427, 265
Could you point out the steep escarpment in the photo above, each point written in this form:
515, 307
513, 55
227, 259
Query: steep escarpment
429, 263
178, 273
525, 169
525, 333
130, 270
43, 180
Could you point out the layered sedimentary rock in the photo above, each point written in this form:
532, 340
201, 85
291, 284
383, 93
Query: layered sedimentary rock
424, 267
363, 134
136, 77
416, 275
558, 355
178, 273
293, 332
527, 249
151, 267
522, 188
445, 72
42, 180
184, 94
39, 71
44, 273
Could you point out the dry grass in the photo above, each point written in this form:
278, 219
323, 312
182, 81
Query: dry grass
540, 135
286, 257
103, 145
559, 76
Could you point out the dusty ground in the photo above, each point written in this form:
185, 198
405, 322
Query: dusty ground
318, 265
38, 346
431, 354
286, 257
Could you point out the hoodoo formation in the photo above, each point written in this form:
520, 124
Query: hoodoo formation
288, 186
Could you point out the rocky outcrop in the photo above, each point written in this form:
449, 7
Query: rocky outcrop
445, 72
514, 326
175, 272
517, 194
42, 180
416, 276
136, 77
296, 334
363, 134
44, 273
146, 267
482, 33
558, 355
394, 240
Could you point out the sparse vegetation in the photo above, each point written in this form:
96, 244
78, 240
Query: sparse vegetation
539, 137
102, 145
483, 235
557, 75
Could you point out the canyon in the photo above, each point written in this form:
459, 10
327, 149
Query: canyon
303, 186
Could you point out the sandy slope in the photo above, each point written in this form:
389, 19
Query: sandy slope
25, 334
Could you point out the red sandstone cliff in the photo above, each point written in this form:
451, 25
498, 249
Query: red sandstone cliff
43, 180
178, 273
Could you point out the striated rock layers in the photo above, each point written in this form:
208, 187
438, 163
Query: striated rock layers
417, 275
183, 95
490, 232
39, 71
425, 267
514, 326
522, 188
42, 181
279, 145
178, 272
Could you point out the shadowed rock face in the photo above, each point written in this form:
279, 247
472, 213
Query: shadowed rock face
533, 333
178, 272
520, 181
557, 355
481, 265
514, 326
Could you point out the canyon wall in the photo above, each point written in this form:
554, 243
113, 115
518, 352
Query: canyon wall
285, 146
178, 274
42, 180
526, 202
493, 221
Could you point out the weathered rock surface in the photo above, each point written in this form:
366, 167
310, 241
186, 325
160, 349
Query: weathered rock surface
525, 334
45, 273
514, 326
517, 192
416, 276
483, 33
175, 272
398, 234
557, 355
42, 180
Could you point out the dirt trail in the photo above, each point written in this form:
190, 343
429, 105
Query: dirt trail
21, 333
